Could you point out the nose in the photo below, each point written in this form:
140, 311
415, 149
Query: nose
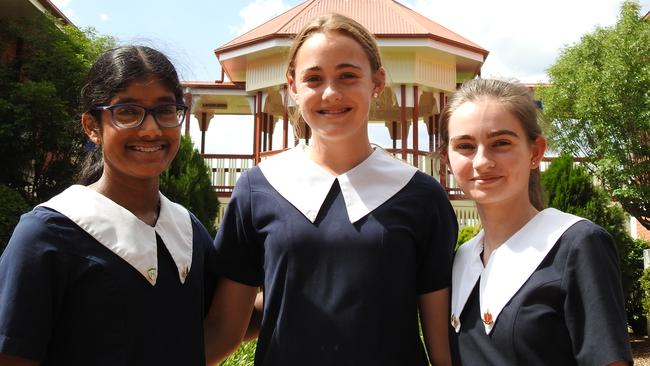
331, 92
482, 159
149, 127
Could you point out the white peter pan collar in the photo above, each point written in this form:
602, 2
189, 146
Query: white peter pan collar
365, 187
127, 236
508, 268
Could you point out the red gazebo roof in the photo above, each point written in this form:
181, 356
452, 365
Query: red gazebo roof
383, 18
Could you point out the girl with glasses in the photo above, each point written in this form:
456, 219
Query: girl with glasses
111, 272
536, 286
351, 246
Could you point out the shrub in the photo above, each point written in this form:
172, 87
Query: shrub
466, 233
644, 281
13, 205
187, 182
570, 189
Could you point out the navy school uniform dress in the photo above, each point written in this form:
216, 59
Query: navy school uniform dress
550, 295
342, 260
85, 282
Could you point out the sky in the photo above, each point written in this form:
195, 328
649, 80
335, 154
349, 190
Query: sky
524, 37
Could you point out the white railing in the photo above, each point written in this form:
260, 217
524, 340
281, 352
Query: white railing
466, 213
225, 170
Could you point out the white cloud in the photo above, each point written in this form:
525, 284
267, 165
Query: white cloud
104, 17
523, 37
64, 6
256, 13
61, 3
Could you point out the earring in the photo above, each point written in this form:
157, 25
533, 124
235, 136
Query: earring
375, 95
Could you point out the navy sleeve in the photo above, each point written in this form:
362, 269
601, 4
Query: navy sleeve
594, 307
31, 281
434, 266
239, 256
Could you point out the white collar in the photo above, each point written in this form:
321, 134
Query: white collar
509, 266
127, 236
365, 187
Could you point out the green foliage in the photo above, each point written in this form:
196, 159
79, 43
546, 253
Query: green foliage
466, 233
40, 133
244, 356
598, 105
13, 205
569, 188
187, 181
644, 281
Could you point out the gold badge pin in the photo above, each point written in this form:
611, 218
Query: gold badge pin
454, 321
186, 272
152, 273
487, 318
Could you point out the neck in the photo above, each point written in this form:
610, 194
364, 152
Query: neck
339, 157
501, 221
140, 197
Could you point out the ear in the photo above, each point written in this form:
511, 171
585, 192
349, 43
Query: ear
379, 80
293, 91
538, 148
91, 128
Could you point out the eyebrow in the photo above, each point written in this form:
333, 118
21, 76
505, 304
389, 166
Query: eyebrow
489, 135
163, 99
339, 66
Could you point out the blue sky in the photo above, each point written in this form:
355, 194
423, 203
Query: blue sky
524, 37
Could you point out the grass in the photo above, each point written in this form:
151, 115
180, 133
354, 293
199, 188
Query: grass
244, 356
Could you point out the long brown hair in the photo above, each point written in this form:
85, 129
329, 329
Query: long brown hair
517, 99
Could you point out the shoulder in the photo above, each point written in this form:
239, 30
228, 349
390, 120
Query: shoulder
587, 247
586, 235
42, 220
41, 232
425, 185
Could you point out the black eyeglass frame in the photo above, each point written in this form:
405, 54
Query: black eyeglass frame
147, 111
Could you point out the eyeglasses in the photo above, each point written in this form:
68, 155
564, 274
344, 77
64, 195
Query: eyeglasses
127, 115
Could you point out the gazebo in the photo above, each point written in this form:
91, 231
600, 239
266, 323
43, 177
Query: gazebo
424, 61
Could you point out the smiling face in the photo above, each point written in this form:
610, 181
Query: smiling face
333, 85
490, 154
142, 152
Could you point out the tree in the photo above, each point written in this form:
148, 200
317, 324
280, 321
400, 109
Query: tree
570, 188
187, 181
13, 205
598, 105
40, 82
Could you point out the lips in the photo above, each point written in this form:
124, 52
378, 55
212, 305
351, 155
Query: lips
147, 149
486, 179
334, 111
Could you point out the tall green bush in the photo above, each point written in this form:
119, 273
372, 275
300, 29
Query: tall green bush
12, 205
187, 181
571, 189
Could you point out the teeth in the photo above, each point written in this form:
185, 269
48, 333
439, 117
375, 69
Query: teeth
146, 149
339, 111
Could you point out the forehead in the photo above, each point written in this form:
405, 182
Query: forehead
483, 116
330, 48
146, 89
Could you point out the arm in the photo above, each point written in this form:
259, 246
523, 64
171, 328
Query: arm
228, 318
6, 360
434, 315
255, 323
594, 307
